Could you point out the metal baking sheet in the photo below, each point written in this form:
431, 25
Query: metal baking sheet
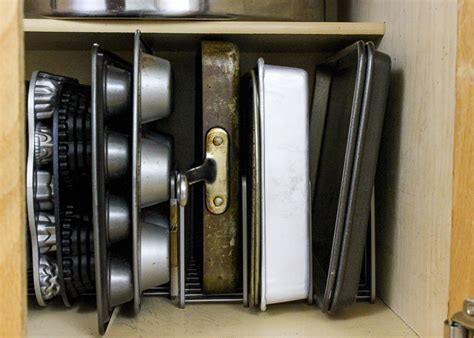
363, 174
347, 70
100, 59
283, 10
255, 186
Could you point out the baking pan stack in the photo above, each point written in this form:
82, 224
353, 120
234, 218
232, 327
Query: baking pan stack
276, 210
132, 168
346, 125
58, 188
311, 178
99, 181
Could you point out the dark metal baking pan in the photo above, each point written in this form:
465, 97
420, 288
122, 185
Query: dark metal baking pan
331, 189
363, 174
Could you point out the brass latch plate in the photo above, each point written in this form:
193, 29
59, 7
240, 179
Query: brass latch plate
217, 150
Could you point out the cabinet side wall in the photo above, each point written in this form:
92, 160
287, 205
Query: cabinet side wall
462, 256
12, 183
415, 174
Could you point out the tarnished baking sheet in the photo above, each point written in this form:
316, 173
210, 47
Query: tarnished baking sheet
222, 264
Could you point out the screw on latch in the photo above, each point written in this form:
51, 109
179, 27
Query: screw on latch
218, 141
218, 201
469, 307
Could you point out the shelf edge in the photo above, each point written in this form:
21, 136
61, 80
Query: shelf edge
204, 27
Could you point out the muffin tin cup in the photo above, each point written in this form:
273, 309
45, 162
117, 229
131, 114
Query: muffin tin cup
154, 254
117, 155
156, 84
117, 89
120, 281
155, 172
118, 218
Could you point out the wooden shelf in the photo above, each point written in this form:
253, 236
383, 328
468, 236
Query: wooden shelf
49, 34
160, 318
204, 27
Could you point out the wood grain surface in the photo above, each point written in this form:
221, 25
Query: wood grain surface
12, 168
204, 27
461, 284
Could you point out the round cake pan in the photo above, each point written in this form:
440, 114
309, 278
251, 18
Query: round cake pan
120, 281
117, 91
155, 171
117, 155
118, 218
156, 88
154, 254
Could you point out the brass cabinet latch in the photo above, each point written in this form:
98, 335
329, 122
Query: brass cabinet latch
214, 171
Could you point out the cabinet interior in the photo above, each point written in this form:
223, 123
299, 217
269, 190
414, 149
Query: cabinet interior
69, 54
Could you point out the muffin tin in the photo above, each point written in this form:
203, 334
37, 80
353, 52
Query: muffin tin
111, 153
132, 169
151, 168
87, 141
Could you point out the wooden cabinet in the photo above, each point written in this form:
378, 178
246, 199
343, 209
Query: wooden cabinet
424, 184
12, 172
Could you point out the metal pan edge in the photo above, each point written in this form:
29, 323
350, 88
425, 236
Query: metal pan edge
263, 266
30, 183
103, 315
135, 173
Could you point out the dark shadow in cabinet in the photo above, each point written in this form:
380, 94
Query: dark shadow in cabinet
388, 177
